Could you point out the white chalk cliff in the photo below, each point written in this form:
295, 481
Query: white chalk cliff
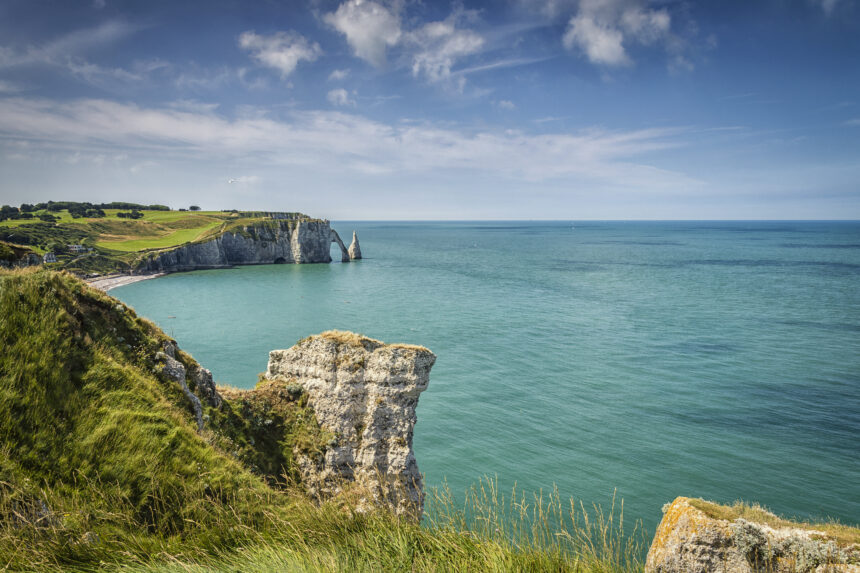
364, 392
271, 242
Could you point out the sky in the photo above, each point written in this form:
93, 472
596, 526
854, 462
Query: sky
411, 109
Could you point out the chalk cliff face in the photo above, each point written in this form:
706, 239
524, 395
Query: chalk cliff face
275, 241
364, 392
689, 541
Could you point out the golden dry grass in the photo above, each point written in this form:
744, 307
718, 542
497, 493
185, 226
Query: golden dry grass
841, 534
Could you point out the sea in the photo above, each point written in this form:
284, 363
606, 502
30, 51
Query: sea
644, 360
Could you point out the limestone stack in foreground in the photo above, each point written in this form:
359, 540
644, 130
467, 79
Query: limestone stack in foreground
689, 540
364, 392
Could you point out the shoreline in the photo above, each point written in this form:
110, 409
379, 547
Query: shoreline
113, 281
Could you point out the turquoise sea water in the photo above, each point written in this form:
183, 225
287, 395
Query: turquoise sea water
719, 360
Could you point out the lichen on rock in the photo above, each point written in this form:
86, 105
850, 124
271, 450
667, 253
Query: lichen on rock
688, 540
365, 393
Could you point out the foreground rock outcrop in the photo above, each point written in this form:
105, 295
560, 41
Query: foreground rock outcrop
364, 392
689, 540
202, 391
271, 242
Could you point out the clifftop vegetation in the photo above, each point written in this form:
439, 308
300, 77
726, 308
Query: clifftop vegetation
115, 235
101, 466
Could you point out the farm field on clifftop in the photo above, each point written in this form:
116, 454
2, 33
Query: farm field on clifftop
114, 239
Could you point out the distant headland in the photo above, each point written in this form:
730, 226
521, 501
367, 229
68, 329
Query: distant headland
116, 243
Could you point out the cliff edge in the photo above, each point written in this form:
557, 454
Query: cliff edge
274, 241
364, 392
697, 536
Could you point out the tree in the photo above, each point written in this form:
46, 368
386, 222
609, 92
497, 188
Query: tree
55, 247
194, 208
26, 208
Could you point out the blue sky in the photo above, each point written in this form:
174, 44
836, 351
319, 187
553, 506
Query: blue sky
408, 109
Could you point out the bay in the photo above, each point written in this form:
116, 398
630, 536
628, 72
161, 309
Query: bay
656, 359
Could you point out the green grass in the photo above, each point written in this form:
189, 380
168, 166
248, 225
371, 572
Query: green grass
101, 468
118, 242
173, 239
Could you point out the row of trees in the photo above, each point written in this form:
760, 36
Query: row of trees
7, 212
80, 209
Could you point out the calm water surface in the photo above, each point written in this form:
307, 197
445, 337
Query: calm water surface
719, 360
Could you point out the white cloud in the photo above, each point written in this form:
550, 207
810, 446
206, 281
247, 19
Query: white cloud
853, 122
603, 30
439, 45
602, 44
335, 142
340, 97
99, 4
338, 75
244, 180
506, 104
370, 28
282, 51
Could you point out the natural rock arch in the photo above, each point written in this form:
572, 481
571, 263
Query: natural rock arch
344, 254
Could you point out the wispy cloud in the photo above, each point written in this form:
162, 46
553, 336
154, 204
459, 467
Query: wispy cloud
827, 5
69, 52
439, 45
7, 87
71, 45
498, 65
334, 141
340, 97
338, 75
281, 51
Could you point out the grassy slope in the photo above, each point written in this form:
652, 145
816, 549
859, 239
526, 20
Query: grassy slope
101, 467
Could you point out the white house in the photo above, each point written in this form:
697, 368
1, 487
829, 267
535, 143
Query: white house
49, 258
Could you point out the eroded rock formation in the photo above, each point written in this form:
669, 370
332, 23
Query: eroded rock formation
275, 241
344, 254
354, 247
690, 541
364, 392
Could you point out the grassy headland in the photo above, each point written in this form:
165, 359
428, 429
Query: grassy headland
115, 238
